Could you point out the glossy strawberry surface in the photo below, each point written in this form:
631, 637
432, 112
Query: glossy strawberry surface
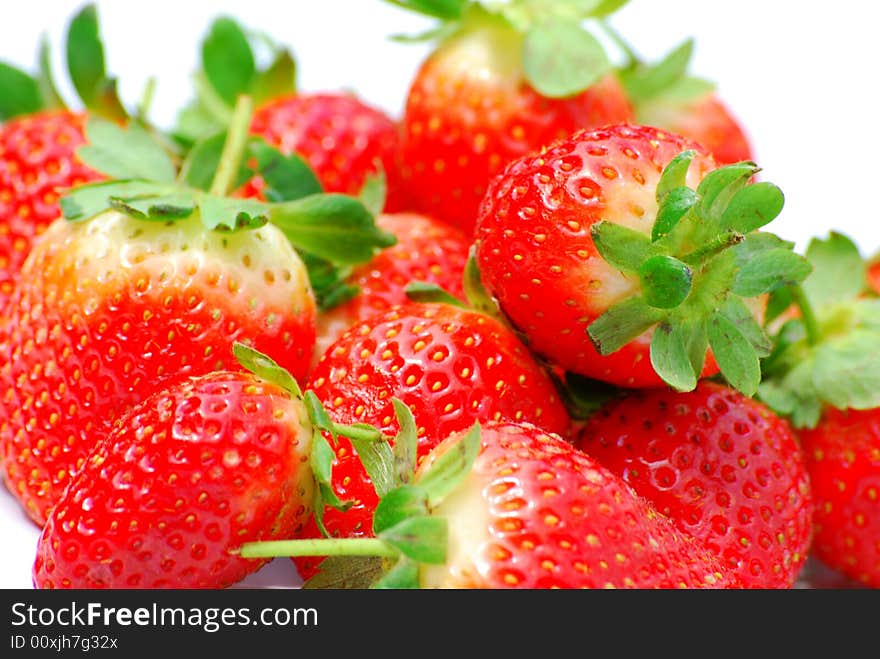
725, 468
179, 483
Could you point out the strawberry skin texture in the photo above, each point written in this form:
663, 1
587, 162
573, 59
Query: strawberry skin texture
722, 466
37, 163
537, 256
451, 366
706, 120
469, 111
843, 458
108, 310
427, 250
340, 136
181, 481
535, 512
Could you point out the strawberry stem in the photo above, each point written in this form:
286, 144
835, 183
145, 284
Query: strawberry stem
808, 315
714, 247
318, 547
632, 58
233, 149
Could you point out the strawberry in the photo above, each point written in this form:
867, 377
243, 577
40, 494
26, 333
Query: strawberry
112, 304
182, 479
427, 251
450, 365
508, 505
822, 376
663, 95
343, 138
624, 254
496, 86
721, 465
39, 139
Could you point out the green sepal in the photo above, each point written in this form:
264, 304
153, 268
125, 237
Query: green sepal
736, 356
622, 323
561, 58
624, 248
329, 282
743, 318
266, 368
335, 227
396, 505
19, 93
374, 191
677, 203
378, 462
403, 575
346, 573
719, 186
318, 414
421, 538
646, 82
674, 347
674, 175
202, 161
666, 281
88, 201
839, 270
287, 178
769, 271
128, 152
443, 9
583, 396
85, 54
321, 460
173, 206
404, 452
228, 60
475, 292
451, 468
231, 214
278, 79
753, 207
420, 291
50, 96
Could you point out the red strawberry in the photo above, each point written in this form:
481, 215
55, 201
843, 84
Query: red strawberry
343, 139
473, 106
180, 481
615, 254
724, 467
873, 275
843, 459
513, 506
426, 250
451, 366
37, 164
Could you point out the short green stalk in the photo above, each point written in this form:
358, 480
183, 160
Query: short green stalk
319, 547
233, 149
808, 315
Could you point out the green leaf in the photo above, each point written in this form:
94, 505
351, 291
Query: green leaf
753, 207
622, 323
398, 504
19, 93
720, 185
769, 271
666, 281
227, 60
49, 94
423, 538
404, 574
838, 270
406, 443
442, 9
196, 122
675, 205
624, 248
846, 371
671, 355
744, 320
231, 214
335, 227
561, 58
85, 54
735, 355
265, 367
674, 175
346, 573
451, 467
85, 202
375, 190
419, 291
278, 79
378, 462
287, 178
125, 153
201, 163
648, 82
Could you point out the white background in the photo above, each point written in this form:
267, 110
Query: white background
801, 76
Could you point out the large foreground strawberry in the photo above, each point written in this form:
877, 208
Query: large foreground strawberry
112, 304
500, 82
624, 254
508, 505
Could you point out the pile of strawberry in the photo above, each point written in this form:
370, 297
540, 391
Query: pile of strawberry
534, 333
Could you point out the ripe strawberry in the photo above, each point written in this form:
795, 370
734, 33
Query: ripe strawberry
37, 163
623, 254
873, 276
179, 482
484, 96
426, 251
721, 465
451, 366
512, 506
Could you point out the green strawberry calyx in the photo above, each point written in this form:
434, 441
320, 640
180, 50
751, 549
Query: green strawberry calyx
826, 336
22, 93
332, 232
406, 534
703, 260
554, 41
